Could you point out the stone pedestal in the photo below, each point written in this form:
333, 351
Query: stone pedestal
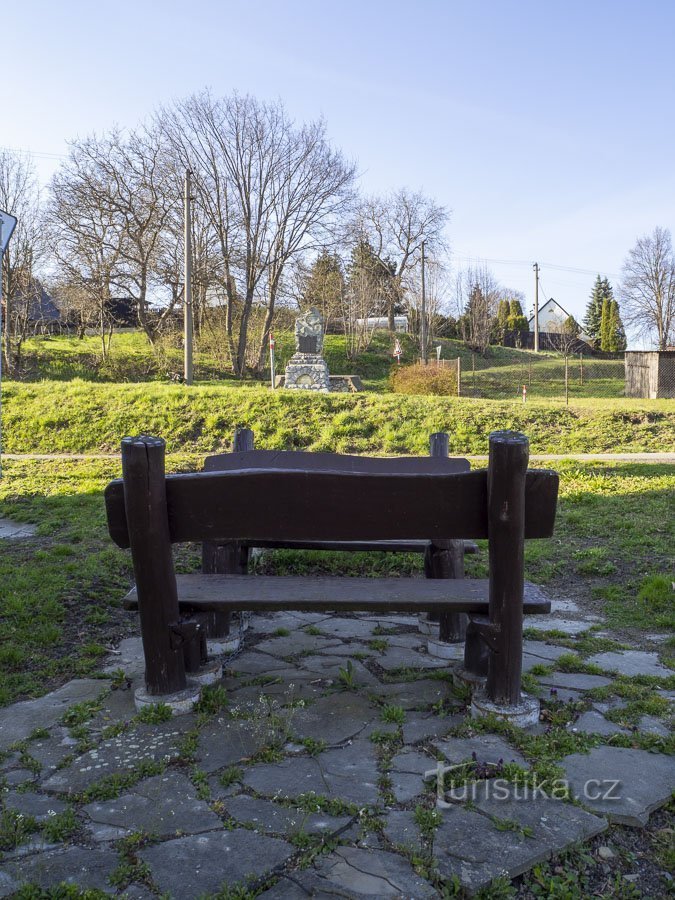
307, 372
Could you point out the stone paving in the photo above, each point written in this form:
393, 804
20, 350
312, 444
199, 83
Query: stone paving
319, 777
10, 530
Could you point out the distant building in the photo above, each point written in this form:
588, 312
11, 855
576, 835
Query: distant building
552, 317
650, 374
382, 322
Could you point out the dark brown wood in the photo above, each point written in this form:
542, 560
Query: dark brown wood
445, 560
194, 643
476, 650
226, 559
507, 468
332, 462
150, 541
243, 439
400, 546
216, 493
270, 592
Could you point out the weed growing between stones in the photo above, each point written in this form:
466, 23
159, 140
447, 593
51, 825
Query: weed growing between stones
15, 829
60, 827
311, 802
131, 869
230, 776
379, 644
111, 786
212, 700
347, 676
312, 746
200, 781
154, 714
427, 820
63, 891
393, 714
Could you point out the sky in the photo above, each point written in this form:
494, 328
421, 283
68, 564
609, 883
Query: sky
546, 129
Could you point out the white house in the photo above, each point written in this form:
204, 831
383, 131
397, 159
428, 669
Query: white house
551, 319
551, 316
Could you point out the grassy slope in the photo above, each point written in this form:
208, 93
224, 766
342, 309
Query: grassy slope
502, 373
60, 598
83, 417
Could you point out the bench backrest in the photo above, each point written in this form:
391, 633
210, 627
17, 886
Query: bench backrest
326, 497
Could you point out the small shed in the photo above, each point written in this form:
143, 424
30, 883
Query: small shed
650, 374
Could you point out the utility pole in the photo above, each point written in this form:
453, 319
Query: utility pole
187, 308
1, 347
423, 329
7, 226
536, 307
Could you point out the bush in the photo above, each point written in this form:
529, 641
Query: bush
421, 379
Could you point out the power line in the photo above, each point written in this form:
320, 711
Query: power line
41, 154
522, 262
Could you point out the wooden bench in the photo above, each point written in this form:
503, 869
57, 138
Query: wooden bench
149, 511
442, 559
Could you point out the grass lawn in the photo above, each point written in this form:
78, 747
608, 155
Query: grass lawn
61, 591
81, 417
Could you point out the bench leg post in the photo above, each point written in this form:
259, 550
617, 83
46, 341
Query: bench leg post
150, 542
222, 559
476, 653
509, 452
445, 560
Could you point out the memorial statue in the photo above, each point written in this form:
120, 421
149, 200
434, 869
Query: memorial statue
307, 369
309, 332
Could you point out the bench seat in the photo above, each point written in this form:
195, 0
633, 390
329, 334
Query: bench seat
212, 593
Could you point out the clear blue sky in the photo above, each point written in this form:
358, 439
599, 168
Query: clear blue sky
547, 129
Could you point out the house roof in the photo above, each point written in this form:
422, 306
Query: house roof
43, 308
549, 302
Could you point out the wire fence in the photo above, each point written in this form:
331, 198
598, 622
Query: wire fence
550, 377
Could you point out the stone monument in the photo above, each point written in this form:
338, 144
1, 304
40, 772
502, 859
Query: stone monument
307, 370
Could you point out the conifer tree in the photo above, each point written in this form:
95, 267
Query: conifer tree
602, 290
605, 338
617, 334
325, 285
502, 322
517, 321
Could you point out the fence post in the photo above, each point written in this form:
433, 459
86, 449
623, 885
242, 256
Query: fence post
459, 376
473, 372
567, 380
581, 368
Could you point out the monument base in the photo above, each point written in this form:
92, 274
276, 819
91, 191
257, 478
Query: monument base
307, 372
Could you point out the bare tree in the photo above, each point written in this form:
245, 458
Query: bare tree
269, 190
21, 292
120, 179
395, 226
476, 299
648, 288
86, 233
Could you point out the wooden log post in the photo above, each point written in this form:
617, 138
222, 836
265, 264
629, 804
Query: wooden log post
507, 467
150, 541
225, 559
445, 559
476, 651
